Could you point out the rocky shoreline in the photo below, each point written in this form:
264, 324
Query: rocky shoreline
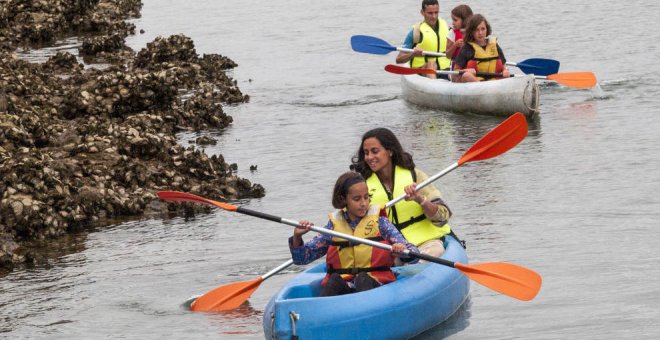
81, 145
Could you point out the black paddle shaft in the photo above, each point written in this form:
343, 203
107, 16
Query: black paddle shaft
259, 214
432, 259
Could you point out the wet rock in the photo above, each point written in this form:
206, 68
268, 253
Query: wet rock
205, 140
104, 43
177, 48
78, 146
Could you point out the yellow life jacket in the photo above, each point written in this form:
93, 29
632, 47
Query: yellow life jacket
348, 259
431, 42
486, 59
407, 216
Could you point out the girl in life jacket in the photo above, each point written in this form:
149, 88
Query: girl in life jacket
459, 18
481, 58
352, 267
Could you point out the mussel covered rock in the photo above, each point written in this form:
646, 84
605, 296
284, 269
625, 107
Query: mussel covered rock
79, 146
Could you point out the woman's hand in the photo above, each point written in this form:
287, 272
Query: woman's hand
413, 195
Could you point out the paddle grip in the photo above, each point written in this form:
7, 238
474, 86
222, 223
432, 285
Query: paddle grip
259, 214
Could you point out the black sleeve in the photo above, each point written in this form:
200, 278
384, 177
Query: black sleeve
501, 54
464, 55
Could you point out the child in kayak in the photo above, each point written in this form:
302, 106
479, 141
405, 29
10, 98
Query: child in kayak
459, 18
352, 267
480, 53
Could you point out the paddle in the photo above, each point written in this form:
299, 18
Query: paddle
502, 138
538, 66
506, 278
373, 45
232, 295
580, 80
496, 142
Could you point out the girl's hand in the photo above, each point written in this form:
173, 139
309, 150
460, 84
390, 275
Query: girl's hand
399, 248
459, 43
303, 229
506, 73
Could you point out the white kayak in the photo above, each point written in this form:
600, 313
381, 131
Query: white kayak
502, 97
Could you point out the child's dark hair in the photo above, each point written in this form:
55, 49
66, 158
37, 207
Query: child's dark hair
344, 182
474, 21
464, 12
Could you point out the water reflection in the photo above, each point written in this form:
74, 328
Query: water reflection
40, 54
455, 324
244, 320
583, 110
45, 253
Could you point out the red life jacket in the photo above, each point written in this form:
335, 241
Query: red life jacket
458, 34
349, 259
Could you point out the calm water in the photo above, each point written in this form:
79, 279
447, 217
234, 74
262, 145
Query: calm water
576, 200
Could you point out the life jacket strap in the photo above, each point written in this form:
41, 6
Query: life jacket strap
355, 271
344, 244
411, 221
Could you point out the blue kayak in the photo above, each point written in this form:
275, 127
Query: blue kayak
423, 296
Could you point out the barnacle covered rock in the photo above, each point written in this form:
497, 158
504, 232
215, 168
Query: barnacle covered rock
78, 146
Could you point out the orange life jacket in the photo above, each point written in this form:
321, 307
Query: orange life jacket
487, 59
348, 259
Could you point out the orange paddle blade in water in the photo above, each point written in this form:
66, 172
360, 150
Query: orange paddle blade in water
580, 80
226, 297
506, 278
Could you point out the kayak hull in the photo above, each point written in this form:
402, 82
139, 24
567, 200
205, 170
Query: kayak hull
423, 296
502, 97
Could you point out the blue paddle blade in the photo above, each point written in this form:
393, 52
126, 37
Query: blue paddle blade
539, 66
372, 45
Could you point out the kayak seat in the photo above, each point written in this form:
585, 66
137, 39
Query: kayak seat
313, 289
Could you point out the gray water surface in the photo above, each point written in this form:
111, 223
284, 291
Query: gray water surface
576, 201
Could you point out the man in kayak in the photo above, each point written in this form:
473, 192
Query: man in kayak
429, 35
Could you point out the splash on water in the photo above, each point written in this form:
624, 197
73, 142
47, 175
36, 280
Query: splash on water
598, 93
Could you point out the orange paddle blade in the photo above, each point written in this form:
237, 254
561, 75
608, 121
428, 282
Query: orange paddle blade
226, 297
509, 279
580, 80
407, 70
499, 140
177, 196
